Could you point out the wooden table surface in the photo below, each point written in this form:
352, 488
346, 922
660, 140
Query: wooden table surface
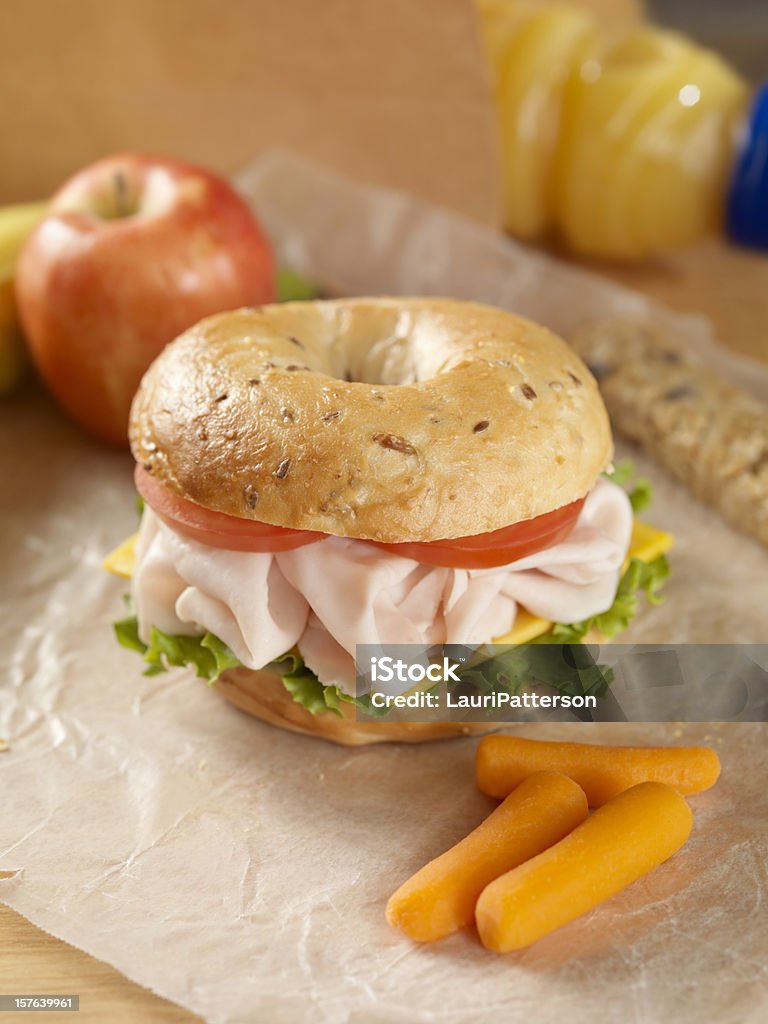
33, 962
728, 285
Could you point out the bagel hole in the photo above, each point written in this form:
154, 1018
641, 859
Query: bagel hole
390, 356
397, 348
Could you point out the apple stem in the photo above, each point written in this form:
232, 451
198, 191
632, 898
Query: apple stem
121, 194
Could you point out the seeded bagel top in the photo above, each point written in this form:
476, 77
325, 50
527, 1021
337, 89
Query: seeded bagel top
380, 418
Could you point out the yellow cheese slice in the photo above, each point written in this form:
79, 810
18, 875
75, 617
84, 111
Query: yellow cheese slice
122, 560
646, 544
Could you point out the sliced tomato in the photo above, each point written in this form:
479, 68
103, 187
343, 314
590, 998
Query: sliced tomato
487, 550
484, 551
215, 528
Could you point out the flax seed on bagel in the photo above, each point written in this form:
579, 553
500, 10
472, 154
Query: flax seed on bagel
377, 418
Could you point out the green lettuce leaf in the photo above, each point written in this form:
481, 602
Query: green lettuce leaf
307, 690
639, 578
303, 685
639, 488
127, 634
568, 669
641, 495
208, 655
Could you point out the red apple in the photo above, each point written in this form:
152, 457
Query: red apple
134, 250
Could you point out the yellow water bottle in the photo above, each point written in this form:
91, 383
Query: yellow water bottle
622, 142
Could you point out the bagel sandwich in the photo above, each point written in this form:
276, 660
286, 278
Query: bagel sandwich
318, 475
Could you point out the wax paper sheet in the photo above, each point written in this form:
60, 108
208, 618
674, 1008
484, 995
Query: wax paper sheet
242, 871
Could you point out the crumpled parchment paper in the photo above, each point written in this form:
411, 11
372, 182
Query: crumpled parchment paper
242, 871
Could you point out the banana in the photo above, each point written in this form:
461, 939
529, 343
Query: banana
16, 222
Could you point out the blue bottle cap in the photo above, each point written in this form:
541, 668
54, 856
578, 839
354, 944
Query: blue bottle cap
747, 206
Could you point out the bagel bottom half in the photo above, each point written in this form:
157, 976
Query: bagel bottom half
261, 693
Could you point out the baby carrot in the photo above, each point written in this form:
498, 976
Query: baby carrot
440, 898
629, 836
502, 762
